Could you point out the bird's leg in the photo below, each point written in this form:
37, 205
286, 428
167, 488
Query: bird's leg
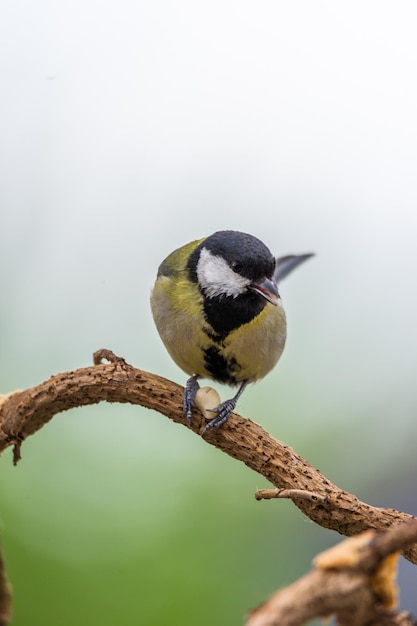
191, 387
225, 409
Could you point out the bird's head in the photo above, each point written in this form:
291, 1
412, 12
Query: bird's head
232, 264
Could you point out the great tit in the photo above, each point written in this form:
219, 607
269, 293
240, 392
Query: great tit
218, 311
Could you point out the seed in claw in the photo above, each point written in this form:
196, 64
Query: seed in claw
207, 399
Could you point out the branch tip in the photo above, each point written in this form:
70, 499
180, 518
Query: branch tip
292, 494
108, 355
17, 451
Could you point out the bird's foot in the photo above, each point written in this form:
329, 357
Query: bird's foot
191, 388
224, 410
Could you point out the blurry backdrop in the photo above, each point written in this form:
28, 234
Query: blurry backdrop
126, 130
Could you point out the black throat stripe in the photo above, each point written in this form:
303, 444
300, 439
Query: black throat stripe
225, 313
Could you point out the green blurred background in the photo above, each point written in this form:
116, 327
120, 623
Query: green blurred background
128, 129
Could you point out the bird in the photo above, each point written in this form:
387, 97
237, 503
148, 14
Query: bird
217, 309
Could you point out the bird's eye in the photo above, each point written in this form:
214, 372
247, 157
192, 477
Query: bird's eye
236, 266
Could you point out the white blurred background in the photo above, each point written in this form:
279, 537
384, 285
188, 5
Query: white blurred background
130, 128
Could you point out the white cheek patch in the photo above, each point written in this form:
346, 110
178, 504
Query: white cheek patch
217, 278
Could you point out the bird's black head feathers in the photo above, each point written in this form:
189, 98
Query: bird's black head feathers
246, 255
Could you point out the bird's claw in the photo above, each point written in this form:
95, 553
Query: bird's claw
224, 410
191, 388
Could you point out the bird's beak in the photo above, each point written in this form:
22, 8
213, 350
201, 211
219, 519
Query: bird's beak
267, 289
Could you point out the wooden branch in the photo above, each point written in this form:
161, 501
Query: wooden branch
24, 413
355, 581
290, 494
5, 595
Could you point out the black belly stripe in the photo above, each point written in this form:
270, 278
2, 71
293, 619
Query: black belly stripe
221, 369
223, 315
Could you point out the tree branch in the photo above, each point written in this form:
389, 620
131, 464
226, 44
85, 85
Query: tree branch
354, 581
5, 595
24, 413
